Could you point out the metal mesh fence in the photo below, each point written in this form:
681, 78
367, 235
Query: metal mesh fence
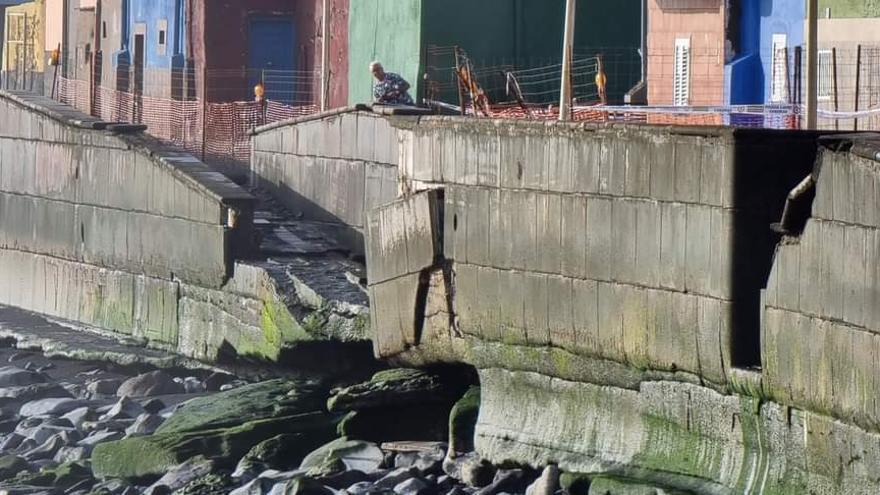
207, 113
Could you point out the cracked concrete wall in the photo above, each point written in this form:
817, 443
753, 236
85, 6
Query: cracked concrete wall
643, 246
331, 167
821, 316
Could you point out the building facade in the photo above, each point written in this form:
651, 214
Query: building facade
407, 36
686, 52
181, 49
24, 60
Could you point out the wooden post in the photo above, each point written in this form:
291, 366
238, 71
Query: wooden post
567, 49
812, 62
325, 55
834, 86
858, 83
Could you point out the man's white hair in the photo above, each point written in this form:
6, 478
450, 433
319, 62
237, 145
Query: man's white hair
375, 64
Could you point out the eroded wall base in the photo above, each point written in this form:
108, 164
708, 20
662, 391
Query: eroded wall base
672, 434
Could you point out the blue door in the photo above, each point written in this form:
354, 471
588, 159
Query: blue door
272, 59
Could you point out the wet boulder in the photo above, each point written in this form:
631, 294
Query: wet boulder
224, 427
341, 455
10, 376
149, 385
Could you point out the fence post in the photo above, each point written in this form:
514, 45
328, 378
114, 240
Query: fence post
798, 76
834, 86
858, 81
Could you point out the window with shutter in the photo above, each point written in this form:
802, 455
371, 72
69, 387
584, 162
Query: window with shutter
779, 80
682, 72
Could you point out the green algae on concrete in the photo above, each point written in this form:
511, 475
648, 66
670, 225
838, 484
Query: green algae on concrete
605, 485
463, 421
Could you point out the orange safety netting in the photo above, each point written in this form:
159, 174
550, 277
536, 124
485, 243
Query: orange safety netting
213, 131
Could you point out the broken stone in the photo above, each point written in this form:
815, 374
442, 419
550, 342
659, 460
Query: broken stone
125, 408
79, 416
71, 454
412, 486
342, 454
145, 424
103, 387
181, 475
149, 385
395, 477
99, 437
50, 407
11, 376
547, 483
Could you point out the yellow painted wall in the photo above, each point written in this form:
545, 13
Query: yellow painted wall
35, 13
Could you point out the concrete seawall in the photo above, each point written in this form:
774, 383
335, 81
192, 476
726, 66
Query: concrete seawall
331, 167
646, 247
105, 227
663, 304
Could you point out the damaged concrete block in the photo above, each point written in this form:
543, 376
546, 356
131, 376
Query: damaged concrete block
403, 237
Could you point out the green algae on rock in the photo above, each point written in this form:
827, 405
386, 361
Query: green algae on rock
224, 427
463, 421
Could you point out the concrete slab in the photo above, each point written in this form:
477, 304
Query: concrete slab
599, 240
549, 228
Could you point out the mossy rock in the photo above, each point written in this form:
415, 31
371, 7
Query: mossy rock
270, 399
211, 484
142, 457
392, 388
281, 452
340, 455
61, 476
463, 421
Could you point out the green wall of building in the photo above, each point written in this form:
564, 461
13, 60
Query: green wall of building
384, 30
522, 33
850, 8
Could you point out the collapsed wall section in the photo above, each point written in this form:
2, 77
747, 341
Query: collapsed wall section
644, 247
821, 315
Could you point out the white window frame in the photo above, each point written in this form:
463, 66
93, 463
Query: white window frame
825, 87
681, 72
779, 69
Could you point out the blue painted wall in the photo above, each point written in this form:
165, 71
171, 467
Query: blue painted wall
748, 76
149, 12
779, 16
743, 75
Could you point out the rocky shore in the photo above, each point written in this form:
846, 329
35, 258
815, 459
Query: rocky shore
80, 427
85, 427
